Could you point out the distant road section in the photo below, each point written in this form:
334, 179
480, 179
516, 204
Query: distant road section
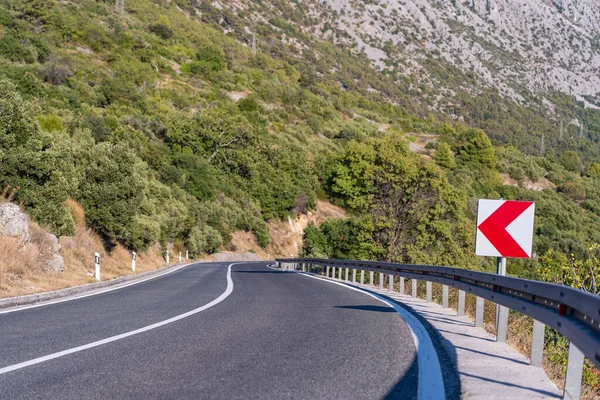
211, 331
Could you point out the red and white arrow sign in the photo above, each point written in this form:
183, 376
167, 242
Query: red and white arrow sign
505, 228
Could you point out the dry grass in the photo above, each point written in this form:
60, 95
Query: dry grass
77, 212
22, 266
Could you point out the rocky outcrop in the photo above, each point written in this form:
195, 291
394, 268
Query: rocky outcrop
14, 222
56, 263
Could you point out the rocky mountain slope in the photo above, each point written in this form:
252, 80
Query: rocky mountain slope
519, 47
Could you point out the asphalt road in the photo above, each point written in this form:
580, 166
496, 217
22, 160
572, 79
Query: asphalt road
277, 335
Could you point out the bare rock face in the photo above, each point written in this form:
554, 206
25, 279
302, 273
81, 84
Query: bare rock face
13, 222
57, 264
54, 244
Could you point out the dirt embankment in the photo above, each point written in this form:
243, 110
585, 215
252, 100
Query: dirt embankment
286, 235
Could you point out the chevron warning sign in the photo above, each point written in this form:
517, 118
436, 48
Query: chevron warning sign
504, 228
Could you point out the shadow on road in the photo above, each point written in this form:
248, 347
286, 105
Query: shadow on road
369, 308
263, 272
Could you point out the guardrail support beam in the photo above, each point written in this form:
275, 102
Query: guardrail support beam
354, 275
327, 271
537, 343
381, 280
479, 308
371, 278
574, 374
501, 323
362, 277
402, 285
391, 282
445, 296
429, 292
333, 272
414, 288
347, 274
340, 269
461, 303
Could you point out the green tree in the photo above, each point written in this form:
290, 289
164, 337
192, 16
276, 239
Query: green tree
444, 157
476, 149
570, 160
38, 164
113, 190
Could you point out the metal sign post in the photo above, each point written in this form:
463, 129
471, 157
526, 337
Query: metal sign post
501, 311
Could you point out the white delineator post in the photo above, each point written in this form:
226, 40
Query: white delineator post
97, 265
167, 256
133, 256
179, 256
187, 255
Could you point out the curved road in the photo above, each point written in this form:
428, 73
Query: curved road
191, 334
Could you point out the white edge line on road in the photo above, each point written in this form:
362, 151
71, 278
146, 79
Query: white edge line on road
100, 291
430, 381
63, 353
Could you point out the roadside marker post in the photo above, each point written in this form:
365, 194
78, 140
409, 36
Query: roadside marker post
187, 256
179, 256
133, 257
97, 265
167, 256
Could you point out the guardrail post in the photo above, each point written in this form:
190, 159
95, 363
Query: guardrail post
479, 307
501, 324
537, 343
354, 275
340, 273
444, 296
327, 271
371, 278
381, 280
347, 274
414, 288
362, 277
574, 374
461, 303
402, 285
391, 282
429, 292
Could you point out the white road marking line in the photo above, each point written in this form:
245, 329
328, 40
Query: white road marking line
63, 353
430, 382
77, 297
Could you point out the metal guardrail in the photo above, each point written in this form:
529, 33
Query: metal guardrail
572, 312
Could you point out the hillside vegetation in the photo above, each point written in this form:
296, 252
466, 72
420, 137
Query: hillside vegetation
166, 129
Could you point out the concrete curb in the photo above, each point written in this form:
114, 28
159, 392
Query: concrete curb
88, 287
